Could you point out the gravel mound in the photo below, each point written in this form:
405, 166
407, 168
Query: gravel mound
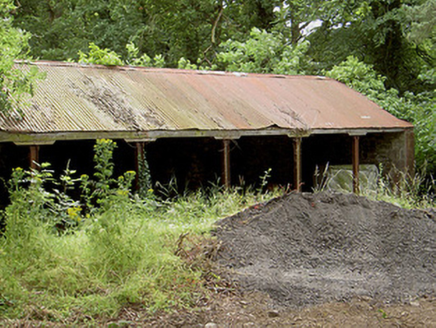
305, 249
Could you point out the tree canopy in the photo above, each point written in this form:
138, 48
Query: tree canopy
14, 84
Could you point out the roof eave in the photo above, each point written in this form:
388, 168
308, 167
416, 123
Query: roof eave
144, 136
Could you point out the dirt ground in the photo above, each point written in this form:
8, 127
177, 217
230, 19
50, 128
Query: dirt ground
315, 260
254, 310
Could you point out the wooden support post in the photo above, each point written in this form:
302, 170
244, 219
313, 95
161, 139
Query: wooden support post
139, 156
355, 162
297, 164
226, 164
34, 157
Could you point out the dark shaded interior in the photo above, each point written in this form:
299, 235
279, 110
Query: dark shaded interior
74, 155
189, 163
251, 157
79, 156
318, 151
198, 162
11, 156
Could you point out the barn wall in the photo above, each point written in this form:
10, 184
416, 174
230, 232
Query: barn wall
394, 150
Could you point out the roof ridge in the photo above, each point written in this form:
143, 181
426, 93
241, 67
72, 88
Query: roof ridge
167, 70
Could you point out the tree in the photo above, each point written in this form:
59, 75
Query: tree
61, 28
186, 28
421, 31
15, 84
264, 52
296, 18
99, 56
378, 35
421, 27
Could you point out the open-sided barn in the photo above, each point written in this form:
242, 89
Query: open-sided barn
199, 125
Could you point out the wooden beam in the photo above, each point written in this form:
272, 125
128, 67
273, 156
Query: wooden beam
297, 164
139, 156
355, 162
25, 139
34, 157
226, 176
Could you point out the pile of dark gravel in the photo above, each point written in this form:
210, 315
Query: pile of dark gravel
308, 248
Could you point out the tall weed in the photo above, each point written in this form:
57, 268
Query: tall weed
417, 191
402, 189
117, 250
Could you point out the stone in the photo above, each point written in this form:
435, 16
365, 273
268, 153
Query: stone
273, 314
211, 325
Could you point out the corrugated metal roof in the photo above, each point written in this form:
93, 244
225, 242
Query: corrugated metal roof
76, 98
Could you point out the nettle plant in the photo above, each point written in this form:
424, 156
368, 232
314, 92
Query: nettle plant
40, 195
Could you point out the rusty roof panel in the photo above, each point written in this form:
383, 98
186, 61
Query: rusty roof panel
76, 98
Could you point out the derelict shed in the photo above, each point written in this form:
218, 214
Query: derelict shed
198, 126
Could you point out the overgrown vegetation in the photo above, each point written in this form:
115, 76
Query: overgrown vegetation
75, 261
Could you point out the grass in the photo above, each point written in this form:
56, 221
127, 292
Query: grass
122, 256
